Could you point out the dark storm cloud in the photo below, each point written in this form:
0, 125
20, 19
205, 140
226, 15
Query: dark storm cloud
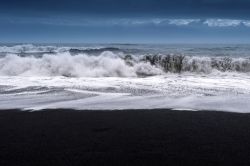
131, 8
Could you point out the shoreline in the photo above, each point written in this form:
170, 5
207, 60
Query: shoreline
126, 137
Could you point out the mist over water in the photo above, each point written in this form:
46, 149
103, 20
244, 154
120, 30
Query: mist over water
116, 76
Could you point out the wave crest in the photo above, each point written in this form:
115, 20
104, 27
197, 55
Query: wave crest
105, 65
181, 63
108, 64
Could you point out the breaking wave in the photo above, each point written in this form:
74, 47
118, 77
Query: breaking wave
109, 64
105, 65
181, 63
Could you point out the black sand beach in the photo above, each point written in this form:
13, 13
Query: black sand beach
132, 137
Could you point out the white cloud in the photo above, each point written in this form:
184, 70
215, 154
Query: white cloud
181, 22
154, 21
246, 23
158, 20
226, 22
67, 21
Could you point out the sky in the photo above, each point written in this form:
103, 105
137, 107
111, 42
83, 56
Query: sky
125, 21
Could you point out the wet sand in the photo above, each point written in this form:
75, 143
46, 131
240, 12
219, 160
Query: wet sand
131, 137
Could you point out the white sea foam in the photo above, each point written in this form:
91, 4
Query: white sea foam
222, 92
107, 64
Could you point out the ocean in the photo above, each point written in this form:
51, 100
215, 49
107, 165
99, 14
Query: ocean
125, 76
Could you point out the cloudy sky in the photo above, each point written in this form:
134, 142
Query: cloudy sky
125, 21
